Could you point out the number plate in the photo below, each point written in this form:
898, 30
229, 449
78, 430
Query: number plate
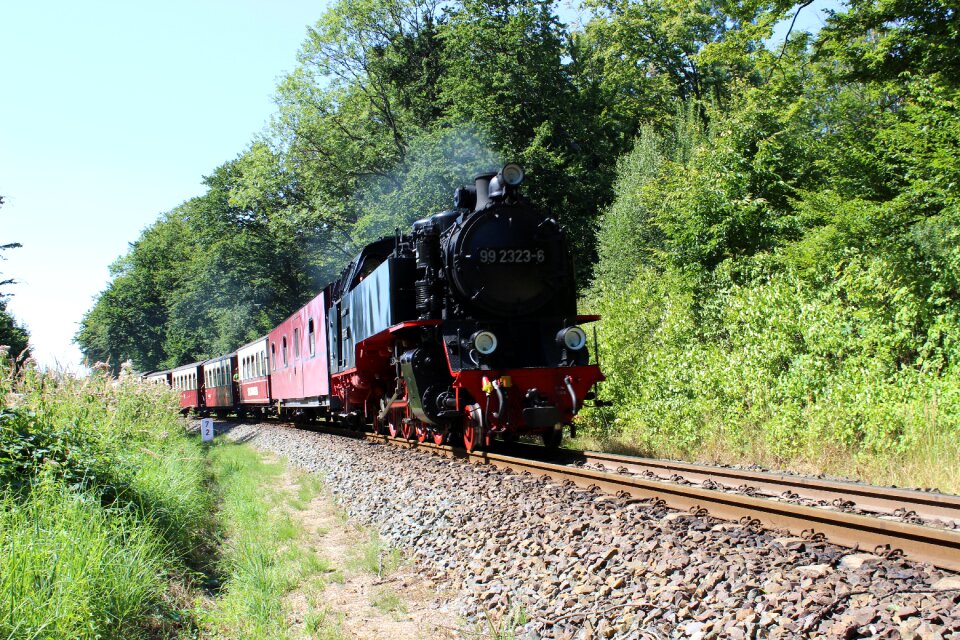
513, 256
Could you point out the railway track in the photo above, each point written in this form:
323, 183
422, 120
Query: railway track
749, 497
622, 567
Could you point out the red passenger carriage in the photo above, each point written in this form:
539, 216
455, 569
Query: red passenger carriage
188, 380
299, 377
158, 377
220, 388
253, 365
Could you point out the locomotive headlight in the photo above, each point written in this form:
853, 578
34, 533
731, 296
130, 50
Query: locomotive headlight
573, 338
512, 174
484, 342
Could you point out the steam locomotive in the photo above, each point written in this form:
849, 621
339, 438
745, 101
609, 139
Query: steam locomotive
465, 328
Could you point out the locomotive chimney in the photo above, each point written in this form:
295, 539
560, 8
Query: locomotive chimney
483, 190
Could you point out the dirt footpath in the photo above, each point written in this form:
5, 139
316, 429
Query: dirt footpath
367, 591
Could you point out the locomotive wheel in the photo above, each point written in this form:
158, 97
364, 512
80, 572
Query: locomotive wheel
394, 418
440, 435
405, 429
421, 432
552, 438
473, 434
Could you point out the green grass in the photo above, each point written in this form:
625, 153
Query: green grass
70, 569
504, 627
388, 601
373, 557
112, 518
256, 576
322, 624
263, 553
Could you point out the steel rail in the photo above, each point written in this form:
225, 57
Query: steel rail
928, 505
940, 547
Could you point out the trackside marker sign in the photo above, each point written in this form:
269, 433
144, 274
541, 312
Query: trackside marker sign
206, 429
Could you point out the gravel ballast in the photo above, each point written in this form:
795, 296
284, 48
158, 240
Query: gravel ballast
576, 563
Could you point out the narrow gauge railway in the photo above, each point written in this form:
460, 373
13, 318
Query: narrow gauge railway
464, 328
938, 546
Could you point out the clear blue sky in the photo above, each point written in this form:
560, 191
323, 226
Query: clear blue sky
110, 114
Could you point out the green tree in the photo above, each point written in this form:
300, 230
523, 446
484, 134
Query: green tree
879, 40
787, 276
364, 89
13, 335
509, 71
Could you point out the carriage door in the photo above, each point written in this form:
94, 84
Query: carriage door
346, 346
333, 337
298, 355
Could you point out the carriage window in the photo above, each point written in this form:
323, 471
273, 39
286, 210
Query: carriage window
273, 355
311, 338
283, 350
296, 342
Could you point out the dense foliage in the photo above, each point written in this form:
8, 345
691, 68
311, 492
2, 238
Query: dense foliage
769, 228
785, 277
